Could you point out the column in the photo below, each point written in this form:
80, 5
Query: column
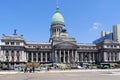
105, 56
4, 57
81, 57
15, 55
41, 54
118, 56
26, 56
60, 56
93, 57
76, 56
68, 57
46, 57
1, 55
72, 56
24, 52
90, 57
36, 57
114, 56
110, 56
32, 57
64, 57
55, 56
56, 32
22, 56
50, 56
86, 57
9, 57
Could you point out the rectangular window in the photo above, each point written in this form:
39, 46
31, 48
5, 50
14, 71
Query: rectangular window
17, 43
12, 51
12, 43
17, 51
6, 51
6, 43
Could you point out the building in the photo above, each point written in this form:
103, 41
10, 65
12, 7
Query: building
104, 35
116, 32
114, 36
60, 49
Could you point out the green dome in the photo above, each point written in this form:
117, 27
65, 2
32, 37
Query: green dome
57, 18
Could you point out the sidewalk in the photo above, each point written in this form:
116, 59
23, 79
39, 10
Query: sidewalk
8, 72
61, 71
81, 70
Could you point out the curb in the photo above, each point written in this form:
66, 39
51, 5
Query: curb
7, 72
62, 71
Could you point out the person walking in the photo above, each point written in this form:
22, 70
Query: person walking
33, 69
25, 70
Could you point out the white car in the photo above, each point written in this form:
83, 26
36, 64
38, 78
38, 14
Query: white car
79, 67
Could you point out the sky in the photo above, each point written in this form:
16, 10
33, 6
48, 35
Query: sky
84, 19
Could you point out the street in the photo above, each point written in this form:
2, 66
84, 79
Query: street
61, 76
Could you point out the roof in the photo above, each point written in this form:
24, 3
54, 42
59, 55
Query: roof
13, 37
46, 43
57, 18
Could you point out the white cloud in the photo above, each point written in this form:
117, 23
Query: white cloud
95, 26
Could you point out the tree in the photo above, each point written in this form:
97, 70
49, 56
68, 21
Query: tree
1, 63
29, 60
118, 62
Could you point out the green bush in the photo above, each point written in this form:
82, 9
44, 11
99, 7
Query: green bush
1, 63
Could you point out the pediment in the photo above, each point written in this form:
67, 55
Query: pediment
66, 45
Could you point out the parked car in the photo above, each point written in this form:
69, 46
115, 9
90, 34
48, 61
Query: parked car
79, 67
5, 67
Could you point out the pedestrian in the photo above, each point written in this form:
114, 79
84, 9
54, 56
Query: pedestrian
48, 68
33, 69
30, 70
25, 70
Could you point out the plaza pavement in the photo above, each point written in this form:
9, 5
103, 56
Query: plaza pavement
94, 74
62, 71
